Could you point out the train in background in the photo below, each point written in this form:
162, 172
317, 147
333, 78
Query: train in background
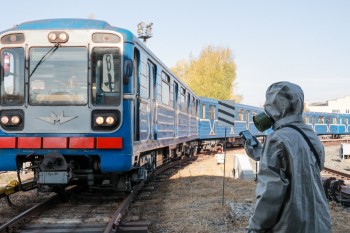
84, 102
222, 121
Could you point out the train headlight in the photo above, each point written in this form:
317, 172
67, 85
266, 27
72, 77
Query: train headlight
110, 120
63, 36
105, 120
52, 36
99, 120
12, 120
5, 120
58, 37
15, 120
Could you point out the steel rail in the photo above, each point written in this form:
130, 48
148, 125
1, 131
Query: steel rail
122, 208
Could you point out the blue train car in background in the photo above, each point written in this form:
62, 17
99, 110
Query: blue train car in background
225, 119
333, 124
87, 102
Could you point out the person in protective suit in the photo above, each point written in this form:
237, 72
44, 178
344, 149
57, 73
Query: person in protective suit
289, 195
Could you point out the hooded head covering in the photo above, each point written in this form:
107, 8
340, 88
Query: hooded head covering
284, 103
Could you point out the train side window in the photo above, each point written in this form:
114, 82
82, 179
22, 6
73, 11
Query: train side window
321, 119
346, 121
152, 74
335, 121
188, 103
193, 106
12, 76
165, 88
328, 120
313, 120
247, 116
183, 99
212, 112
306, 120
240, 115
203, 111
176, 95
144, 81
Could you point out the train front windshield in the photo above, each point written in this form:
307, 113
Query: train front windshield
59, 76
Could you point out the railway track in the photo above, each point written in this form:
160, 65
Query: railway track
84, 212
336, 185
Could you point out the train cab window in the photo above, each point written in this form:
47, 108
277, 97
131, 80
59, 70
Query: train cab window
61, 79
212, 112
165, 88
12, 76
106, 76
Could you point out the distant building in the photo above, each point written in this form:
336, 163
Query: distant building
341, 105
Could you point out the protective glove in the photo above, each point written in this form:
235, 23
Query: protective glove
253, 152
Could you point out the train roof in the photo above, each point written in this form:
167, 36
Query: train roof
71, 23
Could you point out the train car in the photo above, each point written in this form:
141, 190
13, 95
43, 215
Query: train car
216, 119
87, 102
225, 119
333, 124
244, 119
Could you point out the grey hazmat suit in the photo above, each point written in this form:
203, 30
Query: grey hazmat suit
289, 194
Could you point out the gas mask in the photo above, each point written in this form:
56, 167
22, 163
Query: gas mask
262, 121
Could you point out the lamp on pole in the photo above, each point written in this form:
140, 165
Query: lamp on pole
144, 31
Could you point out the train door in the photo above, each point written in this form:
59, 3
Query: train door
137, 105
143, 121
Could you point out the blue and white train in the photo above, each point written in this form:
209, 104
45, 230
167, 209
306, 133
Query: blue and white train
84, 102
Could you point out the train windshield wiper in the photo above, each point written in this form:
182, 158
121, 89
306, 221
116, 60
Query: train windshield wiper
46, 56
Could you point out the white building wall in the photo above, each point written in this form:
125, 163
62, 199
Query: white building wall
341, 105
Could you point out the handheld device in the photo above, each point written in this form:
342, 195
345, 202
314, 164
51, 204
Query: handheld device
246, 135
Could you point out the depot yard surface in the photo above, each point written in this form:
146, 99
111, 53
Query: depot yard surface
192, 199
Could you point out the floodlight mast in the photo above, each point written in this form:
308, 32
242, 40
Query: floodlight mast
144, 31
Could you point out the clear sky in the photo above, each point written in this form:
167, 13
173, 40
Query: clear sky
302, 41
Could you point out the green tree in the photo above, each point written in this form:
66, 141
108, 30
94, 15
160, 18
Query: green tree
211, 75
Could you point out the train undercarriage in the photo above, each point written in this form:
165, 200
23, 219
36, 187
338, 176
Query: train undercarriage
54, 171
